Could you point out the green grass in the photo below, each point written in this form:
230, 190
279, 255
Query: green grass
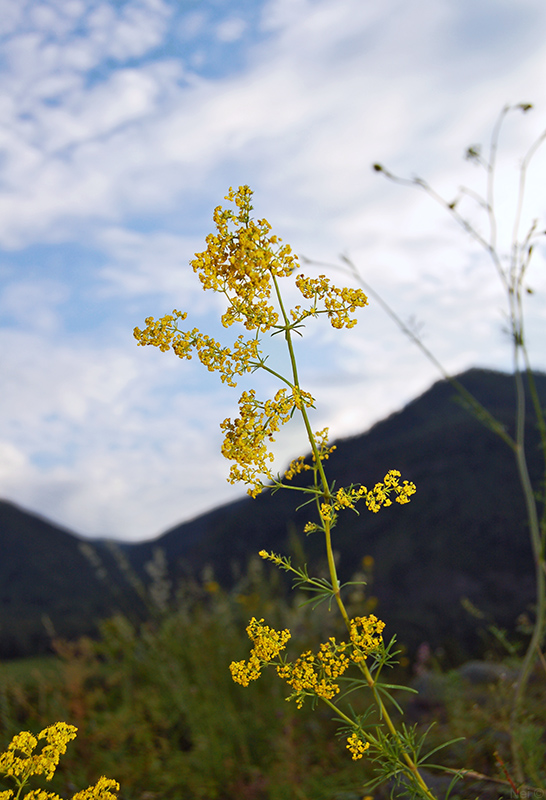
25, 669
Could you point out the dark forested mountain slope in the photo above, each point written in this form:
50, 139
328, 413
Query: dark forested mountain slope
48, 586
464, 534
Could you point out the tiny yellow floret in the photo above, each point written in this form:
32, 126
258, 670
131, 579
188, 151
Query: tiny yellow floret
356, 746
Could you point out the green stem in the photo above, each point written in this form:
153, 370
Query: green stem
384, 714
326, 494
338, 711
333, 572
303, 410
538, 552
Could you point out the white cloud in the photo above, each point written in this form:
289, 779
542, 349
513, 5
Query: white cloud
92, 438
147, 264
230, 30
34, 303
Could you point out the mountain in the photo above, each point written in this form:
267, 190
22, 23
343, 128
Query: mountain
49, 584
463, 535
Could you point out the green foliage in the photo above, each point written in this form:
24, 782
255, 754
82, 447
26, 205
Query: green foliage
156, 707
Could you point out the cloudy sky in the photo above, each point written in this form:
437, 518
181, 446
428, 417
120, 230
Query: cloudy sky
124, 123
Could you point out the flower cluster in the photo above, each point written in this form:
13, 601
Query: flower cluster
366, 636
312, 674
244, 262
229, 362
315, 674
356, 746
20, 762
348, 497
268, 643
296, 466
103, 790
43, 763
324, 450
241, 261
379, 496
245, 437
162, 332
279, 561
338, 303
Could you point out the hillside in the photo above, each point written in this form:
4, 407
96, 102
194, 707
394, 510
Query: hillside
48, 585
463, 535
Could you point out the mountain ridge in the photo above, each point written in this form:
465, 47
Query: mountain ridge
463, 534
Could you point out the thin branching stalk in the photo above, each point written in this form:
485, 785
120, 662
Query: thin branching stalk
512, 279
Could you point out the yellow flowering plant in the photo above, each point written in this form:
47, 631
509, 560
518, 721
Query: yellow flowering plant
24, 759
246, 263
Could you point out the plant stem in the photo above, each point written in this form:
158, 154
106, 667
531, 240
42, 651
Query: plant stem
383, 713
326, 495
511, 277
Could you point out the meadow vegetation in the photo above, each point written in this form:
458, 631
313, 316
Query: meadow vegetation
155, 706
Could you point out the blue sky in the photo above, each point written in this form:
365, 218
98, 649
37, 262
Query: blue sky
123, 124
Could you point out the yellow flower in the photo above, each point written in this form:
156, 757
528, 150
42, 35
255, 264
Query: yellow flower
356, 746
338, 303
245, 437
301, 676
165, 334
348, 498
244, 262
296, 466
310, 527
241, 261
57, 737
20, 762
315, 674
278, 560
103, 790
365, 633
245, 671
327, 512
380, 495
268, 643
324, 450
44, 763
404, 492
332, 658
